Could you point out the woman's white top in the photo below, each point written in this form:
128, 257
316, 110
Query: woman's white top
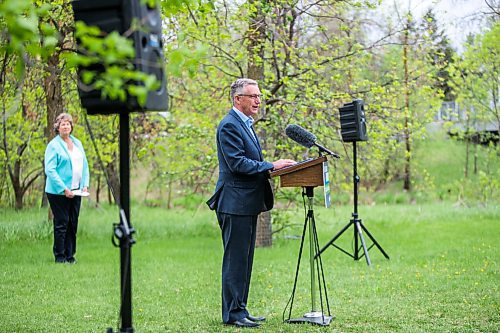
77, 166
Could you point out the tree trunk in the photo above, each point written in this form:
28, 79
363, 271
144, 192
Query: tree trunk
169, 195
98, 190
467, 144
16, 169
53, 94
255, 49
264, 230
16, 183
114, 183
407, 130
475, 158
54, 102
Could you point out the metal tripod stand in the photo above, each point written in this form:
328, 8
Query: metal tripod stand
357, 223
315, 316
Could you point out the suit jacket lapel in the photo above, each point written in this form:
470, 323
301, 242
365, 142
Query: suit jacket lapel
253, 136
256, 139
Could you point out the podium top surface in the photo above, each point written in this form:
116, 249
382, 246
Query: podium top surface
298, 166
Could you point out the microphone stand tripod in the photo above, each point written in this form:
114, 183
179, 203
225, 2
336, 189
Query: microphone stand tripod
314, 317
357, 223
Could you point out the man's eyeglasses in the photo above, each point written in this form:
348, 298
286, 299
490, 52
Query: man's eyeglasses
254, 96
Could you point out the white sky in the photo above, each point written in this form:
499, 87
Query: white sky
457, 17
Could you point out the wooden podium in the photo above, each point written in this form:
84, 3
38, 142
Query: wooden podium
308, 174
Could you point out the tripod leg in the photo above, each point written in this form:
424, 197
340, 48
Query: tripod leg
356, 239
290, 301
334, 238
320, 272
312, 250
358, 228
374, 241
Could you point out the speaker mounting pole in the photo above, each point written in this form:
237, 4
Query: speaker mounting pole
123, 16
125, 242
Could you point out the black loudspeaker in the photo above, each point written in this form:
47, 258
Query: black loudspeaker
353, 121
119, 15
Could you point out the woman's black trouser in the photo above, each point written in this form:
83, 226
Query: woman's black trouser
66, 213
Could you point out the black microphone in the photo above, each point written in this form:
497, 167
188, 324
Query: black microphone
306, 138
300, 135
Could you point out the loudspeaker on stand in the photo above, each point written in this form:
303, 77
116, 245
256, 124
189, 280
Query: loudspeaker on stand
120, 15
353, 121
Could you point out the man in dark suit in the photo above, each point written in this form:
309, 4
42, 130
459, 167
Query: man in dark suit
242, 192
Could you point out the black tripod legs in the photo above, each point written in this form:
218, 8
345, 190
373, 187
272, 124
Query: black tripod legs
331, 242
374, 241
315, 316
357, 223
358, 238
359, 234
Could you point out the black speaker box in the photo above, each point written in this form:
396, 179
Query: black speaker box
353, 121
118, 15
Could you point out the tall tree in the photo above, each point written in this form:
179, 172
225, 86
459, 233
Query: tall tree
22, 130
441, 54
60, 21
475, 78
408, 86
256, 36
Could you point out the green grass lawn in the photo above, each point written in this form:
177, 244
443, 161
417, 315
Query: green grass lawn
443, 274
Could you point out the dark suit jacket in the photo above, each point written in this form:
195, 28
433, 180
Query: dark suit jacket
243, 186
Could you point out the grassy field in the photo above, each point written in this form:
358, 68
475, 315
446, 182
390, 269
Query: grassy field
442, 276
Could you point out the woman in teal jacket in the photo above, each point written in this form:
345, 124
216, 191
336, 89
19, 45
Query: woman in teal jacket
67, 181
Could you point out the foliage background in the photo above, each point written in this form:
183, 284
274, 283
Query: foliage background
429, 198
309, 57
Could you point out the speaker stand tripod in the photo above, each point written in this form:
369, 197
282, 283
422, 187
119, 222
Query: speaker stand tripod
315, 316
357, 223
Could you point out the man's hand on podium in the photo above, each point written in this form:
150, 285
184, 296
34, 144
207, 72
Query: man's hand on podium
279, 164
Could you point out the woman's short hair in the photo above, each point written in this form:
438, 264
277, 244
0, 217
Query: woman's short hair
60, 118
238, 85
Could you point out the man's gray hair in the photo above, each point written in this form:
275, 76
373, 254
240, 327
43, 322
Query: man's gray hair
238, 86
